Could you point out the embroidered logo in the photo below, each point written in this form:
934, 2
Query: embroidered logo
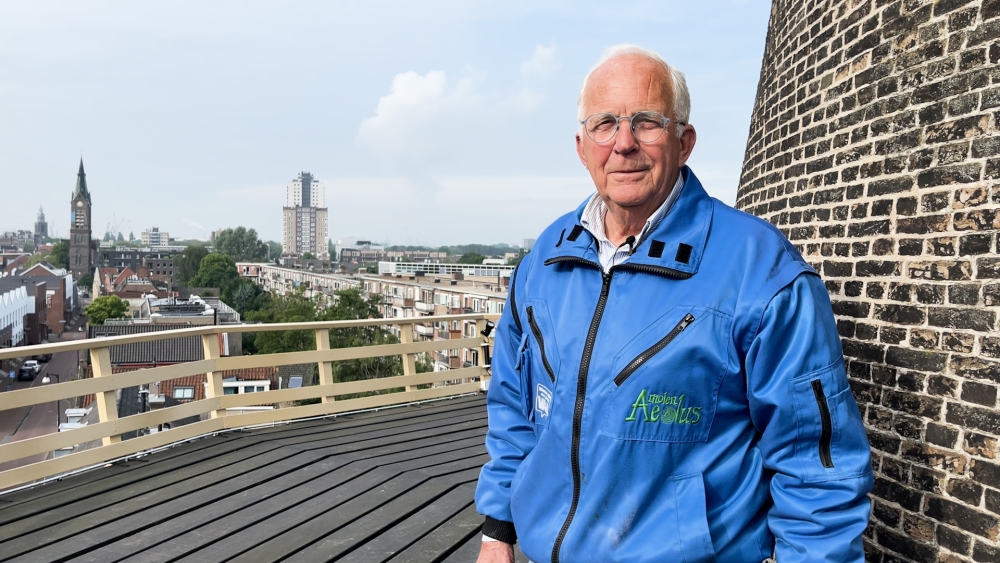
663, 408
543, 400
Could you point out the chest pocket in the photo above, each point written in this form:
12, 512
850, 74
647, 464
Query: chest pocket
538, 363
664, 384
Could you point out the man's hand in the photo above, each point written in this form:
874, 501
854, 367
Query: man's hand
496, 552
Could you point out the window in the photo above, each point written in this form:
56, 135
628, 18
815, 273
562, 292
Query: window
184, 392
230, 390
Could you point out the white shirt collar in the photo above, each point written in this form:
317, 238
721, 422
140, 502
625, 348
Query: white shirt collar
593, 220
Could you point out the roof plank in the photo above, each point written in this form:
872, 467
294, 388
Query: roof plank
390, 485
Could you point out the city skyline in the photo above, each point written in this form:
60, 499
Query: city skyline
192, 117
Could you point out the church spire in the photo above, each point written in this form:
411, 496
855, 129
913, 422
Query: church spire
81, 184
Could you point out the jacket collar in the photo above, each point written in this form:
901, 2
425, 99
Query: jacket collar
674, 248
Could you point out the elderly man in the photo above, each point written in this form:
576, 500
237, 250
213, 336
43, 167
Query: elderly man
668, 382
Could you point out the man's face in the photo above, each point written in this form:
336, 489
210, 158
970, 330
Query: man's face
628, 173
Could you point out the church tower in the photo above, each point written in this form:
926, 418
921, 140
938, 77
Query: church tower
41, 228
80, 253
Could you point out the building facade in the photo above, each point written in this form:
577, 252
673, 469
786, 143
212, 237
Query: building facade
155, 237
305, 218
402, 296
80, 248
874, 147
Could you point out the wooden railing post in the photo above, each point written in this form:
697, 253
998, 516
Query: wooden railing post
325, 368
107, 401
213, 379
409, 360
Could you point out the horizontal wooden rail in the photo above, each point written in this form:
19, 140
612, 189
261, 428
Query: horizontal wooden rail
68, 438
87, 344
81, 387
331, 395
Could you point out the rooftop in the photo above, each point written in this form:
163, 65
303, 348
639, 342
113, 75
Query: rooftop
391, 485
379, 469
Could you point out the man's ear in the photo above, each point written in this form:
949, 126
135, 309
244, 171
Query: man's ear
579, 150
687, 141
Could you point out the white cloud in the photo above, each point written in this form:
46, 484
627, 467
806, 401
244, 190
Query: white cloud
541, 63
419, 113
527, 100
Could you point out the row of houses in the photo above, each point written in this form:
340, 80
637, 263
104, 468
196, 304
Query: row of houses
38, 302
404, 295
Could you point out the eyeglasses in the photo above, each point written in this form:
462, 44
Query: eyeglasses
646, 126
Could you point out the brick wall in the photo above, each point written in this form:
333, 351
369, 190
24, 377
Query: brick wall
875, 147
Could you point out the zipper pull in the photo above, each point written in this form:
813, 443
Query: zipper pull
606, 285
688, 319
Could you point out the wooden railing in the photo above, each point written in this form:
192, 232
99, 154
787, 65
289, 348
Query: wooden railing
212, 409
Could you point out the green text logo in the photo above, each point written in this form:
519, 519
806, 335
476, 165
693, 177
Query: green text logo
666, 409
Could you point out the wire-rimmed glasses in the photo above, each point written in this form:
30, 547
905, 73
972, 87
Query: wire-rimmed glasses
646, 126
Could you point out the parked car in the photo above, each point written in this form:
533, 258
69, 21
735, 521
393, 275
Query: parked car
42, 357
29, 370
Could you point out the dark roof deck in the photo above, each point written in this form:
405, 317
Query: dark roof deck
394, 485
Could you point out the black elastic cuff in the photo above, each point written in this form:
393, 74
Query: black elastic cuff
500, 530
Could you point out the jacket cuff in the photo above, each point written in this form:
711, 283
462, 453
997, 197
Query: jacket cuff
500, 530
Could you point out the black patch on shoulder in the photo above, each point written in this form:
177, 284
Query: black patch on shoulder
683, 253
656, 248
575, 233
558, 244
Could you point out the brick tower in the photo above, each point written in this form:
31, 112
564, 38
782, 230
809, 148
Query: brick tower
80, 253
874, 147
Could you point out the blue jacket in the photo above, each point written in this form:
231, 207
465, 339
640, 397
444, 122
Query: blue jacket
690, 405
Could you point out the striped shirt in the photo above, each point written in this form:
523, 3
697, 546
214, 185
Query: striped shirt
593, 220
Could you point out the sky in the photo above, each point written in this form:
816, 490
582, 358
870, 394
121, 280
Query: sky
430, 123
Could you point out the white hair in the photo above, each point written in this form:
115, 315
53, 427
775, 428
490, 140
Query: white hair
682, 98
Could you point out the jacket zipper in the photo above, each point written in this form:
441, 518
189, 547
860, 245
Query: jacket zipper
513, 302
541, 343
581, 392
581, 386
659, 270
653, 350
827, 430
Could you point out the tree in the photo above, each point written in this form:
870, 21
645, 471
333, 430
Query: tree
273, 249
216, 270
471, 258
245, 296
121, 237
86, 281
290, 308
241, 244
348, 304
131, 236
105, 307
308, 256
59, 256
188, 262
106, 237
29, 247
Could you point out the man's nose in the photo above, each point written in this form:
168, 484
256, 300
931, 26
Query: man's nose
625, 141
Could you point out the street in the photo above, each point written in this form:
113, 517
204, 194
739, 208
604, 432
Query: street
38, 420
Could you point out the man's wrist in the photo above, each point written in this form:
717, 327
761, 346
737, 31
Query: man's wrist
498, 530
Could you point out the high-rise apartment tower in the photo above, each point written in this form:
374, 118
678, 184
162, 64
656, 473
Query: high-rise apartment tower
305, 218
